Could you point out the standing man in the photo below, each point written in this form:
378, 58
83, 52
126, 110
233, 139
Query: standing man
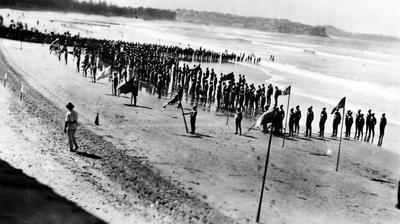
367, 126
238, 121
269, 94
382, 126
292, 117
336, 122
281, 116
361, 127
115, 83
348, 122
322, 121
193, 115
297, 120
310, 118
71, 124
372, 128
358, 117
278, 92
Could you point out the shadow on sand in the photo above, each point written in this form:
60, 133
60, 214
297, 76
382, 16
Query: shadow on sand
131, 105
196, 135
25, 200
88, 155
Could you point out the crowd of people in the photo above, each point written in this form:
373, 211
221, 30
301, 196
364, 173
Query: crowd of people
165, 73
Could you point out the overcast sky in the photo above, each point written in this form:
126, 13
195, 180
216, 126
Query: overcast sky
366, 16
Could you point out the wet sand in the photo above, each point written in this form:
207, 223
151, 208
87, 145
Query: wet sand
213, 176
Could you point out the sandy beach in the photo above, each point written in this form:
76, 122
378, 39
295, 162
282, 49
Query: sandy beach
139, 165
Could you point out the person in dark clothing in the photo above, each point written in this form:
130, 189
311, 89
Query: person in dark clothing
348, 122
281, 116
372, 128
322, 121
309, 119
159, 86
292, 117
358, 117
336, 121
238, 120
382, 126
360, 127
219, 94
297, 120
367, 126
278, 92
269, 94
262, 97
193, 115
115, 83
135, 90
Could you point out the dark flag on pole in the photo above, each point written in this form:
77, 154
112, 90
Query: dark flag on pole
127, 87
341, 104
174, 100
227, 77
286, 91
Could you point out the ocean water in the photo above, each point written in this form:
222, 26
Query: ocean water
366, 72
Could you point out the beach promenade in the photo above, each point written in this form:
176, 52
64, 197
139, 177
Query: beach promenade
212, 177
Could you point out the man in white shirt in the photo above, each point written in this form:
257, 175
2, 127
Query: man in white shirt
71, 124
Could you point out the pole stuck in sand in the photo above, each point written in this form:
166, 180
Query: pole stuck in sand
287, 115
341, 133
265, 175
183, 115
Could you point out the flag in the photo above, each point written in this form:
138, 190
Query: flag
229, 76
172, 101
286, 91
266, 117
341, 104
105, 73
127, 87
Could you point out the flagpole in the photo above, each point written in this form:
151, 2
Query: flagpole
287, 115
340, 141
183, 115
265, 175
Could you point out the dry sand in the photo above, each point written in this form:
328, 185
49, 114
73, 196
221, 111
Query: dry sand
215, 176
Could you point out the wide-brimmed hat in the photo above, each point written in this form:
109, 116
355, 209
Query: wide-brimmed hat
70, 106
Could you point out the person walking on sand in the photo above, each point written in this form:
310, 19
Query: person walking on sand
309, 119
193, 115
238, 121
322, 121
382, 126
71, 124
358, 117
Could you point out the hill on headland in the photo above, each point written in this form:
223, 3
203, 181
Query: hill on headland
191, 16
